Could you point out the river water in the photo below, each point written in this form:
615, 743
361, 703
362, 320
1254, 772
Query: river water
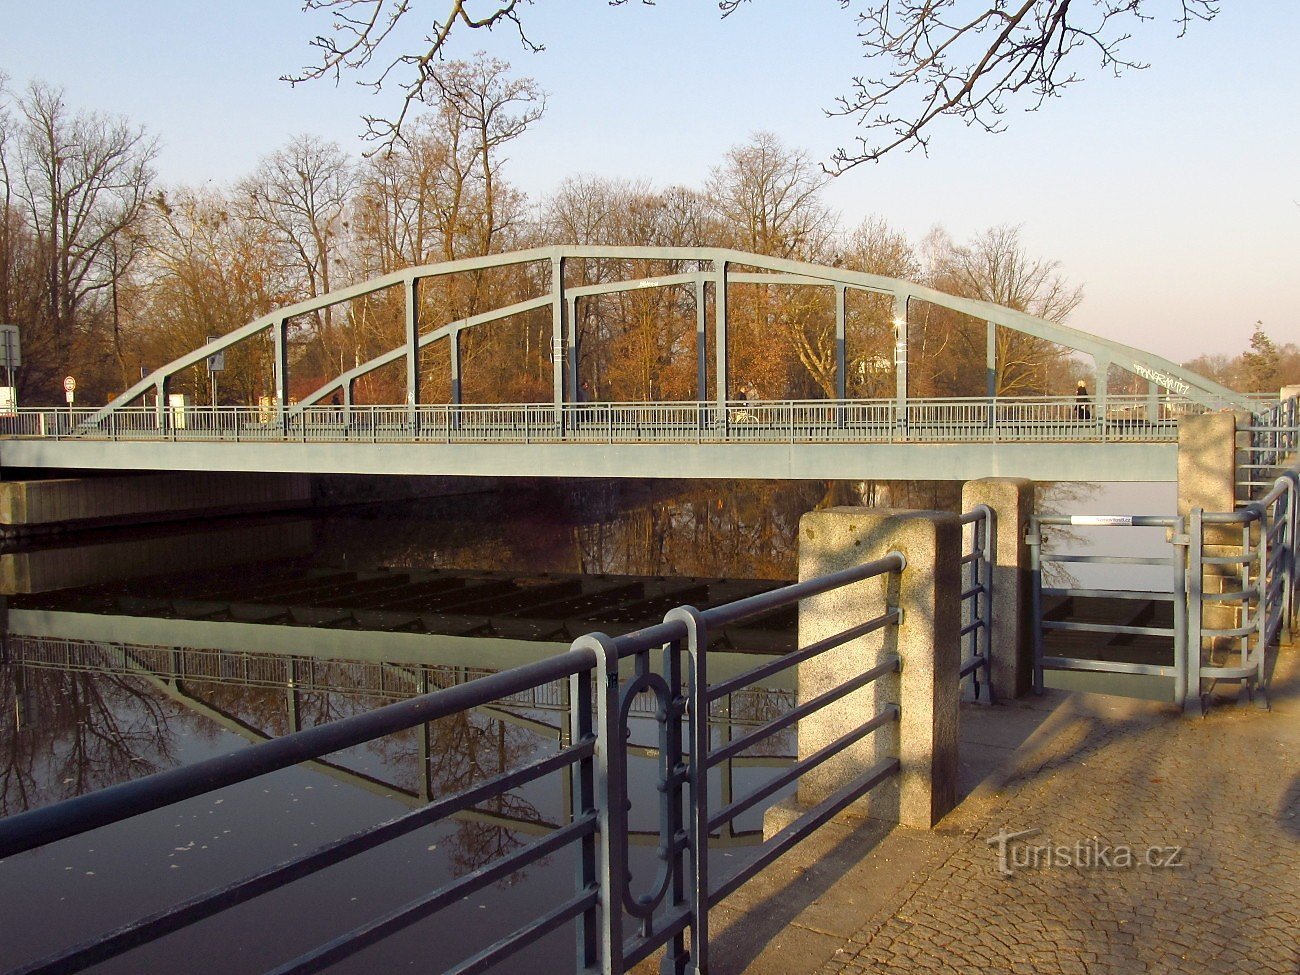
134, 651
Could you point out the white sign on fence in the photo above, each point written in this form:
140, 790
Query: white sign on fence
1113, 521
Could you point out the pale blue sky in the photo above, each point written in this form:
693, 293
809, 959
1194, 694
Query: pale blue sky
1170, 194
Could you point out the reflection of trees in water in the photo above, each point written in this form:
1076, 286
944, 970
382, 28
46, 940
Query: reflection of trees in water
465, 749
738, 714
72, 733
706, 528
742, 529
523, 527
1053, 497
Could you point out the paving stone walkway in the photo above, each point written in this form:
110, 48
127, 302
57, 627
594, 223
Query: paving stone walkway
1158, 844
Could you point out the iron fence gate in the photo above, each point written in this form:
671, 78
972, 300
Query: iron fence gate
1117, 624
1232, 594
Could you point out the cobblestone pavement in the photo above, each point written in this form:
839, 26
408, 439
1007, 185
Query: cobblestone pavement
1219, 795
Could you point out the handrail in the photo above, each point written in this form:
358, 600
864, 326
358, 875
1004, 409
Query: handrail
1046, 419
26, 831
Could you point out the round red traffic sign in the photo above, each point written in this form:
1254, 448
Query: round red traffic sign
69, 384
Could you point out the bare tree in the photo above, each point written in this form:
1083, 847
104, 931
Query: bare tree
969, 59
876, 248
208, 270
301, 194
359, 28
768, 198
995, 267
75, 186
972, 59
488, 109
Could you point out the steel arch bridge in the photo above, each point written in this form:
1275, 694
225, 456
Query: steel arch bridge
717, 434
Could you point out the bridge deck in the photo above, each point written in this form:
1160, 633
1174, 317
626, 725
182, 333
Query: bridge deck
826, 461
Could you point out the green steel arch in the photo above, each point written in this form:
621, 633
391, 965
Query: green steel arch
716, 269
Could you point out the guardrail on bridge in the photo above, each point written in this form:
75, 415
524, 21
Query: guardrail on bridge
1048, 419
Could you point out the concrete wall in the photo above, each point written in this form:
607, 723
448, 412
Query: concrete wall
65, 567
1012, 650
782, 461
83, 502
1207, 462
1209, 451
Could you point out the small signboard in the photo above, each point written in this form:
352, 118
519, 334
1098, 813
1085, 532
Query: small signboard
69, 384
11, 355
216, 361
1112, 521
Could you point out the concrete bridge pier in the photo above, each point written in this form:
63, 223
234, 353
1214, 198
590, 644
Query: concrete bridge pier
926, 687
1012, 647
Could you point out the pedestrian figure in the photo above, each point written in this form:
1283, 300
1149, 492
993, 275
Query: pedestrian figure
1083, 407
743, 395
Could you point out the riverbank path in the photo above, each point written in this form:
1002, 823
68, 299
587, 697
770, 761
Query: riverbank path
1151, 843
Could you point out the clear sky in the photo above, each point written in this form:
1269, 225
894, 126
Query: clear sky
1172, 194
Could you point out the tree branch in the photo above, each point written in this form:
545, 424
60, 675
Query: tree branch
361, 27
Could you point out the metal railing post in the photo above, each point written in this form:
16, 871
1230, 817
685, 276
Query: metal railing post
1180, 542
611, 800
1034, 540
1293, 524
1192, 702
584, 802
675, 776
1262, 608
697, 826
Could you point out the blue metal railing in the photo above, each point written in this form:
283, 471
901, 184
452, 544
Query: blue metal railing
982, 420
667, 662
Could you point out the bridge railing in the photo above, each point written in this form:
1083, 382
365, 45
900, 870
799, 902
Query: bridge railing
1274, 438
1020, 420
607, 678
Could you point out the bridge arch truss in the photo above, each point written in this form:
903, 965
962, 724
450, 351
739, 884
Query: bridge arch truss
713, 272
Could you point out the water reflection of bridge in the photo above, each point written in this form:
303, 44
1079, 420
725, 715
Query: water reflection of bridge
202, 680
507, 607
361, 678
